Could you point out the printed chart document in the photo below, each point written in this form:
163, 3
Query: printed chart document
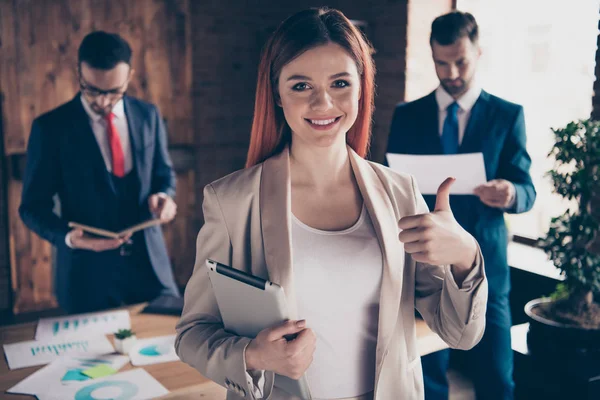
431, 170
115, 235
82, 324
65, 371
153, 351
136, 384
40, 352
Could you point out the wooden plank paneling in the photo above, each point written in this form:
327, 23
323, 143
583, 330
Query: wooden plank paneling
31, 267
11, 110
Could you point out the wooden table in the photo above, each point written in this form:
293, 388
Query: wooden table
184, 382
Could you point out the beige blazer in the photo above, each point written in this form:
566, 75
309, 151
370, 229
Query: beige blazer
247, 226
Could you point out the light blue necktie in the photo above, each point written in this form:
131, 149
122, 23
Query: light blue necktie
450, 130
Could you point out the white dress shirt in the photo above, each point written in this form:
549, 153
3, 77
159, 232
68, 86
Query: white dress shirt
465, 104
99, 127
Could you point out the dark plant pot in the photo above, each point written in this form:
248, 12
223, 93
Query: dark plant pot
550, 338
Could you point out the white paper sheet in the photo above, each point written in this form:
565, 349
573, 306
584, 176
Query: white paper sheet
153, 350
431, 170
136, 384
56, 373
82, 325
40, 352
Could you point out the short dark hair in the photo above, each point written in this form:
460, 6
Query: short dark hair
448, 28
103, 50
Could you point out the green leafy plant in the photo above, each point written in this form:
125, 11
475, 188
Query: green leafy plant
572, 240
123, 334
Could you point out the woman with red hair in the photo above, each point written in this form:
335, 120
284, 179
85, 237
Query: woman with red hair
351, 242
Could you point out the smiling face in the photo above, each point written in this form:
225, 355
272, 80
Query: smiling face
319, 93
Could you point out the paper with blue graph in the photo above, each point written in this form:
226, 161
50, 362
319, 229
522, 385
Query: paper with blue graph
40, 352
82, 324
153, 350
65, 371
136, 384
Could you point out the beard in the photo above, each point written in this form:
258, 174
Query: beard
459, 86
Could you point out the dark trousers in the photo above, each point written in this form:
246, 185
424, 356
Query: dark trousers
117, 278
489, 364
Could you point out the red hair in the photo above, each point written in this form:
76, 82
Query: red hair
297, 34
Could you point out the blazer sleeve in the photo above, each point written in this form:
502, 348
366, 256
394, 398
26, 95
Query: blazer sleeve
163, 176
41, 182
201, 340
456, 314
514, 165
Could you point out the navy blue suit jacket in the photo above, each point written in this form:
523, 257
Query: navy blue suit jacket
496, 128
64, 159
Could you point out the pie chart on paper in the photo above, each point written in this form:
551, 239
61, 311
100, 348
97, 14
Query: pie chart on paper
153, 351
156, 350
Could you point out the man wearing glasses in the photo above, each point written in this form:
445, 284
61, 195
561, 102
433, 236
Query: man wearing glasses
104, 154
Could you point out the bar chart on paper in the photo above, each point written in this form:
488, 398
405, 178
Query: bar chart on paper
82, 324
34, 352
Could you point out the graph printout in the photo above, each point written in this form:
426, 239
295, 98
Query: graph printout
82, 325
65, 371
154, 351
40, 352
135, 384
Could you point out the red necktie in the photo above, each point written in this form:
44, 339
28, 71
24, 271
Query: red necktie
116, 151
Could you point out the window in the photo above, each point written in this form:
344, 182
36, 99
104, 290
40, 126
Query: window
539, 54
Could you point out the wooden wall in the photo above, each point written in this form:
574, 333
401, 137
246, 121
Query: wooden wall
38, 59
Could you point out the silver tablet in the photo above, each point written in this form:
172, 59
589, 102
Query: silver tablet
248, 304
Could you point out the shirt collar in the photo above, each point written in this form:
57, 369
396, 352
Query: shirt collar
465, 102
118, 110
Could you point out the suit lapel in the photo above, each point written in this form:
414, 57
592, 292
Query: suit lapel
275, 213
136, 137
432, 141
87, 146
381, 211
476, 126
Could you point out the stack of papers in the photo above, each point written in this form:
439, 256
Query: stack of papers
80, 365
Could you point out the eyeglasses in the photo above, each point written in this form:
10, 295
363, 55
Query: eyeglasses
93, 91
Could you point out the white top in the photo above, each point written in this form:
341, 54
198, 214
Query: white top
99, 127
465, 104
337, 277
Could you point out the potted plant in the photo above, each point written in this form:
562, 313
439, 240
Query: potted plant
124, 340
569, 321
